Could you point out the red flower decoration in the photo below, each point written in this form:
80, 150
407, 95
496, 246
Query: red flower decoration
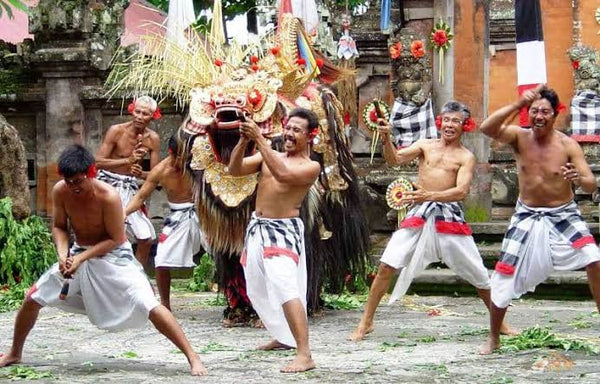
157, 115
253, 59
417, 49
560, 107
255, 97
313, 133
254, 67
275, 51
440, 37
301, 61
575, 64
347, 118
320, 62
92, 171
373, 116
469, 125
438, 121
218, 62
396, 50
131, 106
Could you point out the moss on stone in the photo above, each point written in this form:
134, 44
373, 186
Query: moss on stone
475, 213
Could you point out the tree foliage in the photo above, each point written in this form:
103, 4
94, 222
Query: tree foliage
231, 8
7, 5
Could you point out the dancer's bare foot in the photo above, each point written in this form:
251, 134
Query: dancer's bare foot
490, 346
360, 332
6, 360
196, 367
299, 364
506, 329
273, 345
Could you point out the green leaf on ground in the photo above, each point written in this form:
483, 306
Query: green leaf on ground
213, 347
538, 337
129, 354
18, 372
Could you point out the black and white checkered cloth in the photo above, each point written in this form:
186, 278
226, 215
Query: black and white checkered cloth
565, 219
411, 123
176, 218
277, 236
585, 117
450, 212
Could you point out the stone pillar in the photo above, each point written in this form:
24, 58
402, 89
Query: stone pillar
74, 42
470, 55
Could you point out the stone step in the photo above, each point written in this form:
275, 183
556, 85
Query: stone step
559, 284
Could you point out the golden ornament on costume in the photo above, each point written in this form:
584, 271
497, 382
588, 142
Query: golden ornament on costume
395, 192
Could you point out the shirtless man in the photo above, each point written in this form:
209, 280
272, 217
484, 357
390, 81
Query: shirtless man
547, 232
104, 281
119, 160
273, 258
180, 238
435, 228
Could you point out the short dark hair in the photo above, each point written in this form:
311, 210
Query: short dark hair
550, 95
455, 106
75, 159
308, 115
174, 145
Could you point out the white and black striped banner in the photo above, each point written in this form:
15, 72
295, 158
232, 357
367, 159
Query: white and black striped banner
531, 55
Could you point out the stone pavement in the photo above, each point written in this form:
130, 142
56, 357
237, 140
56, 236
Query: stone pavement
408, 346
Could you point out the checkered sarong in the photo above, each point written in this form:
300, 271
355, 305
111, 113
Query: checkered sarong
411, 123
176, 218
448, 217
585, 117
566, 220
279, 237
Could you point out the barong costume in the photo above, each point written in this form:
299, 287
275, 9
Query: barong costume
274, 264
538, 241
137, 223
432, 232
180, 238
112, 290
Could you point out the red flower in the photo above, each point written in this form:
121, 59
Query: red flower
254, 67
301, 61
320, 63
131, 106
373, 115
348, 278
469, 125
253, 59
560, 107
438, 121
218, 62
575, 64
255, 97
275, 51
396, 50
347, 118
417, 49
157, 115
313, 133
440, 38
92, 171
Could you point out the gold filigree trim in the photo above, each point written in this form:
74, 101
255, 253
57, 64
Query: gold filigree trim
232, 190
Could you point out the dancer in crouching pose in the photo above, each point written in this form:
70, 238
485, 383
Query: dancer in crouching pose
435, 228
106, 282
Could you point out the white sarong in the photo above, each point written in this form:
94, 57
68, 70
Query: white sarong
137, 223
274, 264
180, 238
547, 247
413, 248
112, 290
